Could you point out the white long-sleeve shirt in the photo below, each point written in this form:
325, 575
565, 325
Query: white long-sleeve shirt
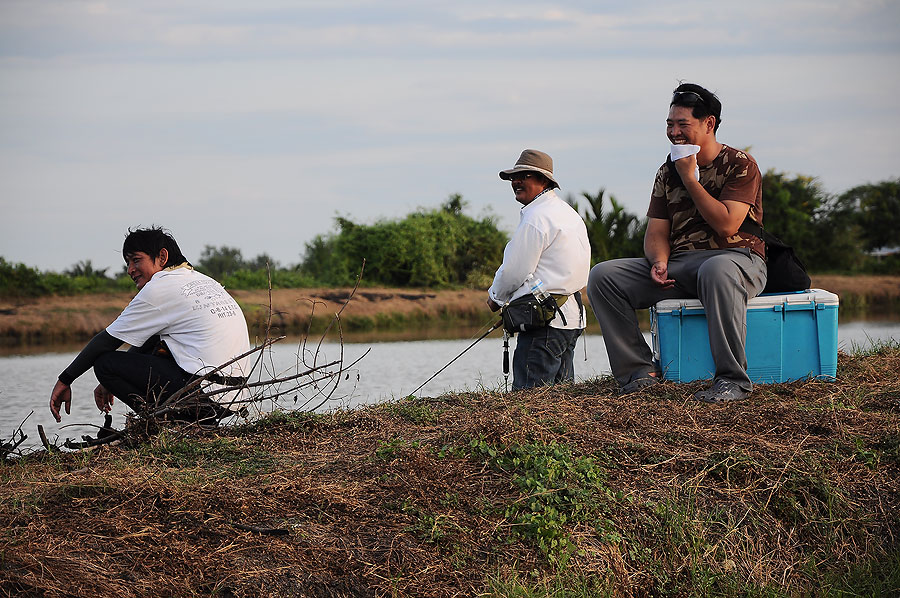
550, 242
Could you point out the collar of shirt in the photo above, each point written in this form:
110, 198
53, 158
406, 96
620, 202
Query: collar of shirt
181, 265
544, 195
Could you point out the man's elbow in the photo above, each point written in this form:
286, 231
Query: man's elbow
728, 227
727, 231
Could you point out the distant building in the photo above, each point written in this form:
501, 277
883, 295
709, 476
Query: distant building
884, 252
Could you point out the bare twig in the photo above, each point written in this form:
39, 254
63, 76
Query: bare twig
18, 437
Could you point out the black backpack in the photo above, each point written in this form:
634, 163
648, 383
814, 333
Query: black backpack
786, 271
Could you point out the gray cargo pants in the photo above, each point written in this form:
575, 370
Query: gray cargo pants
723, 280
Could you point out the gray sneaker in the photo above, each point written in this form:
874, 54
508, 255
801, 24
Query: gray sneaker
722, 391
638, 384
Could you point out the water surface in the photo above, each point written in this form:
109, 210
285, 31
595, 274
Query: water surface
388, 370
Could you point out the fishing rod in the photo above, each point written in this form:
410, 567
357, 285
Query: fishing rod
490, 330
505, 360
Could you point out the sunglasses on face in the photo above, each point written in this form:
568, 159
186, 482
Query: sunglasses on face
520, 176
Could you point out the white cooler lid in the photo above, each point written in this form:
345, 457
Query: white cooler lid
817, 296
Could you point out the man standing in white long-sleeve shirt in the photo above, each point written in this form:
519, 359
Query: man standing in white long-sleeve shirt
550, 245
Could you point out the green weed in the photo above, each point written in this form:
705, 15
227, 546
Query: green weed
868, 457
388, 450
557, 489
433, 528
804, 499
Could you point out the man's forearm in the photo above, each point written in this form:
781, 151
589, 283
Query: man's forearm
656, 241
725, 217
657, 253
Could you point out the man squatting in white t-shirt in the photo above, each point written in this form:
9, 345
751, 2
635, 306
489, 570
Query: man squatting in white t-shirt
180, 325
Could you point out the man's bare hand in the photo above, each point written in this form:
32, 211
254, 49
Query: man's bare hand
61, 395
687, 168
659, 273
103, 398
493, 305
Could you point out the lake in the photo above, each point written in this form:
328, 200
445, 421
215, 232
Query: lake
386, 370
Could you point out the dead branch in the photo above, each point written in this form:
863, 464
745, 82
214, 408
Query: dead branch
8, 449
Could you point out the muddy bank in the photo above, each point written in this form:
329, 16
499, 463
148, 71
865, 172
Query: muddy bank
49, 320
60, 319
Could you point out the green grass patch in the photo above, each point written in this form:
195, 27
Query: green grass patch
875, 347
875, 578
535, 584
413, 410
282, 420
223, 456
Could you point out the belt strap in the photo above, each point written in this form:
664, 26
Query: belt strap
560, 299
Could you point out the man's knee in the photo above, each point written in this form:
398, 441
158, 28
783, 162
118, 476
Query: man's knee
720, 269
601, 274
105, 366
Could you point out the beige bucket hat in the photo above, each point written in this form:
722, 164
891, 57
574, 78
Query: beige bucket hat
532, 161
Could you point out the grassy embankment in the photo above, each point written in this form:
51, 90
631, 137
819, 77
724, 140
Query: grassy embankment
566, 491
76, 318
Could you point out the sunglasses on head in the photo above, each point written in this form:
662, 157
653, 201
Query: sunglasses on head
679, 96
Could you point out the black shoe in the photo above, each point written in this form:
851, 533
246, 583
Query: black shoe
722, 391
639, 384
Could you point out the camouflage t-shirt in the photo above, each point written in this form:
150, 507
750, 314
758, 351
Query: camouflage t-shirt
733, 176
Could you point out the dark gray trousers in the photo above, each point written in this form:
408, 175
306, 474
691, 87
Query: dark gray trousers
723, 280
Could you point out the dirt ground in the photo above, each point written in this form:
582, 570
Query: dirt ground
793, 492
68, 318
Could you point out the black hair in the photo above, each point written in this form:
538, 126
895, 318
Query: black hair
701, 101
152, 241
548, 184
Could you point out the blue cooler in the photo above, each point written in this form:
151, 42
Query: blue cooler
790, 336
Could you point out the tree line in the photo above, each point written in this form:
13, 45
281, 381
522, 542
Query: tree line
444, 247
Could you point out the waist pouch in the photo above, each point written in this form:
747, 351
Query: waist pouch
526, 313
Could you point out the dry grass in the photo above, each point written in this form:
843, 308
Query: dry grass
787, 493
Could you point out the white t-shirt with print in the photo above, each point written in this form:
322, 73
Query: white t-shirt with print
201, 324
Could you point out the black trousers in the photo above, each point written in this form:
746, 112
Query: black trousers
144, 381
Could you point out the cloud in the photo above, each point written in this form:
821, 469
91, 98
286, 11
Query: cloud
252, 124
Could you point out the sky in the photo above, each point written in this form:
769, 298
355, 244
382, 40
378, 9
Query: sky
254, 124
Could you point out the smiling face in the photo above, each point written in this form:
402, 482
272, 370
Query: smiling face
526, 186
141, 267
682, 127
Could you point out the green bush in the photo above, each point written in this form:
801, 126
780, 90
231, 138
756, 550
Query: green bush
19, 281
259, 279
429, 248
